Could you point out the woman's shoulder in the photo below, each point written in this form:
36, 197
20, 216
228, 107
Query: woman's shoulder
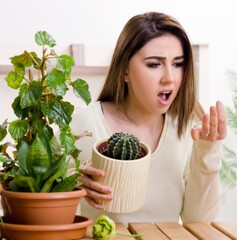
87, 114
92, 108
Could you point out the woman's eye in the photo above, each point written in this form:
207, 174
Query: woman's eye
179, 64
153, 65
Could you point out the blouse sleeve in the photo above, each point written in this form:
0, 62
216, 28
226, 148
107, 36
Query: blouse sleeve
202, 198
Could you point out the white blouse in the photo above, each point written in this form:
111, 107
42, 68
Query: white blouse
183, 179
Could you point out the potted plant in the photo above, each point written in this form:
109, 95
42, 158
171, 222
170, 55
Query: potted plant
36, 162
126, 162
228, 173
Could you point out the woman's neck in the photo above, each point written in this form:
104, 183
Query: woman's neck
126, 118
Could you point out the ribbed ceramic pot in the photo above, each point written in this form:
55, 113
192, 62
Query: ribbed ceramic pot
41, 208
127, 178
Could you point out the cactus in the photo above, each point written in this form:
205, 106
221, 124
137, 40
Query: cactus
124, 146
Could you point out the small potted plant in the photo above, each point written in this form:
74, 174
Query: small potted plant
126, 162
36, 160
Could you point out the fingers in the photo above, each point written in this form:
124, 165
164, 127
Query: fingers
95, 190
213, 134
195, 133
222, 124
94, 198
218, 126
93, 203
205, 125
89, 170
213, 125
203, 131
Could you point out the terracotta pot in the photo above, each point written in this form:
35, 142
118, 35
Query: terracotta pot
3, 201
127, 178
41, 208
76, 230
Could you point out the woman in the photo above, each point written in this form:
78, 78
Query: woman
150, 92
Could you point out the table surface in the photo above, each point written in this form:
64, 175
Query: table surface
176, 231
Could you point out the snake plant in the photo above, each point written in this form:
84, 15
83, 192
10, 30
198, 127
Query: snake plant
36, 160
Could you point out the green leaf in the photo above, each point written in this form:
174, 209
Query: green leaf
65, 63
3, 158
81, 89
56, 166
75, 154
20, 113
228, 174
22, 152
9, 165
61, 169
39, 157
14, 78
54, 145
231, 118
25, 182
18, 128
48, 132
67, 139
43, 38
57, 82
59, 111
3, 131
30, 93
25, 59
67, 184
37, 62
38, 124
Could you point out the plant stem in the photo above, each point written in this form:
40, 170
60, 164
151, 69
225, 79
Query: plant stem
129, 235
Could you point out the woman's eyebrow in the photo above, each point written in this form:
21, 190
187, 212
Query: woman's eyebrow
163, 58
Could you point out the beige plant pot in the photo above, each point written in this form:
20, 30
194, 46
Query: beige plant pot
127, 178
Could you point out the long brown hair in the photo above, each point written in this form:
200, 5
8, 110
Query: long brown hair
136, 33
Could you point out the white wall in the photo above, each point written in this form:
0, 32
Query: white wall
97, 25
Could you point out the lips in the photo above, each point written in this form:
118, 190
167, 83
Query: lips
165, 97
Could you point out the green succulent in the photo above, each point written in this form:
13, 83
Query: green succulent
104, 228
39, 161
123, 146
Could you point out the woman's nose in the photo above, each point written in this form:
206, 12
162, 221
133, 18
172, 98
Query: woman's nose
168, 76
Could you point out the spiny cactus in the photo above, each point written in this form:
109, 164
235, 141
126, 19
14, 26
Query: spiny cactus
124, 146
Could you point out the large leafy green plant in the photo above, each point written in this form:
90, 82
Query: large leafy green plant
39, 160
228, 174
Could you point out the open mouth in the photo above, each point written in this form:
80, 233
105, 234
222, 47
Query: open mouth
165, 96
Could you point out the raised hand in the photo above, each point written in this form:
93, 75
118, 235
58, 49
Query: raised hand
213, 125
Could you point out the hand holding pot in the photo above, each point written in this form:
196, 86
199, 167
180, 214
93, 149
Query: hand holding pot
94, 189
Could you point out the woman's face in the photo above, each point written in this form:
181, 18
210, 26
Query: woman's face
154, 74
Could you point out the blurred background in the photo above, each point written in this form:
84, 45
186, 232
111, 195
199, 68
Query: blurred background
88, 29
